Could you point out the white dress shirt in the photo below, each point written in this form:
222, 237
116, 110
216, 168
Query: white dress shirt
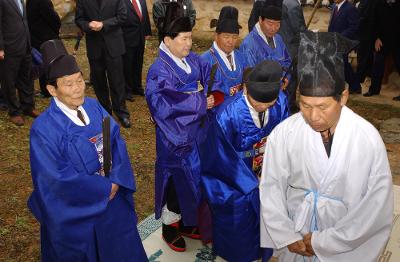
182, 63
223, 55
73, 114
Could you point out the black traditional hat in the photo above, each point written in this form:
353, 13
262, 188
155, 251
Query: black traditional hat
57, 61
263, 83
272, 9
227, 21
320, 63
174, 21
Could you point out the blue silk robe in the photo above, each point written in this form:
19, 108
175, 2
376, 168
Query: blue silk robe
230, 80
256, 50
178, 107
70, 198
231, 186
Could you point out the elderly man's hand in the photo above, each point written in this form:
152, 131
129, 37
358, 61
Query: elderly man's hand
96, 25
2, 54
285, 83
307, 242
114, 189
378, 45
300, 248
210, 102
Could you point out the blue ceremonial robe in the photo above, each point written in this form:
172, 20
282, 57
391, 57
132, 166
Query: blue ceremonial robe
178, 107
70, 198
231, 186
230, 80
256, 50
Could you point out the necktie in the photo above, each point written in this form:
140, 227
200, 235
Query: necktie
80, 116
271, 42
136, 7
230, 61
335, 12
183, 61
261, 118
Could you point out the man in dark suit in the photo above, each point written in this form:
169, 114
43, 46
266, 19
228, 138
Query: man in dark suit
136, 30
345, 20
15, 61
101, 20
386, 34
44, 24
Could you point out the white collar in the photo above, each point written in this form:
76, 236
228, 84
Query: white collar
254, 113
340, 5
223, 55
184, 66
72, 114
261, 33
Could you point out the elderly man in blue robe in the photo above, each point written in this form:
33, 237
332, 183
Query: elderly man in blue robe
231, 163
264, 42
178, 106
86, 211
231, 63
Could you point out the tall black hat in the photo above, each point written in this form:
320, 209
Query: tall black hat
57, 61
174, 21
320, 63
227, 21
263, 83
272, 9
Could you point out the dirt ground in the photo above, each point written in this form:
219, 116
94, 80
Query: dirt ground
19, 232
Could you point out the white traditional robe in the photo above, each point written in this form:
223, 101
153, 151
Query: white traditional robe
349, 195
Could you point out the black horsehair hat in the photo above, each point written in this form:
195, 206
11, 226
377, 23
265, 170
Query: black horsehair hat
57, 61
272, 9
174, 21
263, 83
227, 21
320, 63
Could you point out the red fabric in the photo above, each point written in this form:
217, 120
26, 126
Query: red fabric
135, 5
218, 97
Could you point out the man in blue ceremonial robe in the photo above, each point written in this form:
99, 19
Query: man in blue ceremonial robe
178, 106
231, 160
264, 42
86, 214
231, 63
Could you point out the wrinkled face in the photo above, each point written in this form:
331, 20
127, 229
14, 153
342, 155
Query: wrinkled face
226, 41
259, 106
269, 27
179, 46
70, 90
322, 113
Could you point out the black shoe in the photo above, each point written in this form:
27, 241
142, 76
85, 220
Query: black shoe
3, 106
138, 91
357, 91
396, 98
129, 98
171, 235
369, 93
125, 122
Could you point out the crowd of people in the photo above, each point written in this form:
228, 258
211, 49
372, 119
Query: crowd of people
237, 165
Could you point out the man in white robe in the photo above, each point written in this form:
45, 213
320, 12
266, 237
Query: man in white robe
326, 185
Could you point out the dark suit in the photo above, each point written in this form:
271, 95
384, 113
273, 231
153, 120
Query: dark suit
292, 24
104, 50
134, 31
386, 28
16, 66
44, 24
346, 23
